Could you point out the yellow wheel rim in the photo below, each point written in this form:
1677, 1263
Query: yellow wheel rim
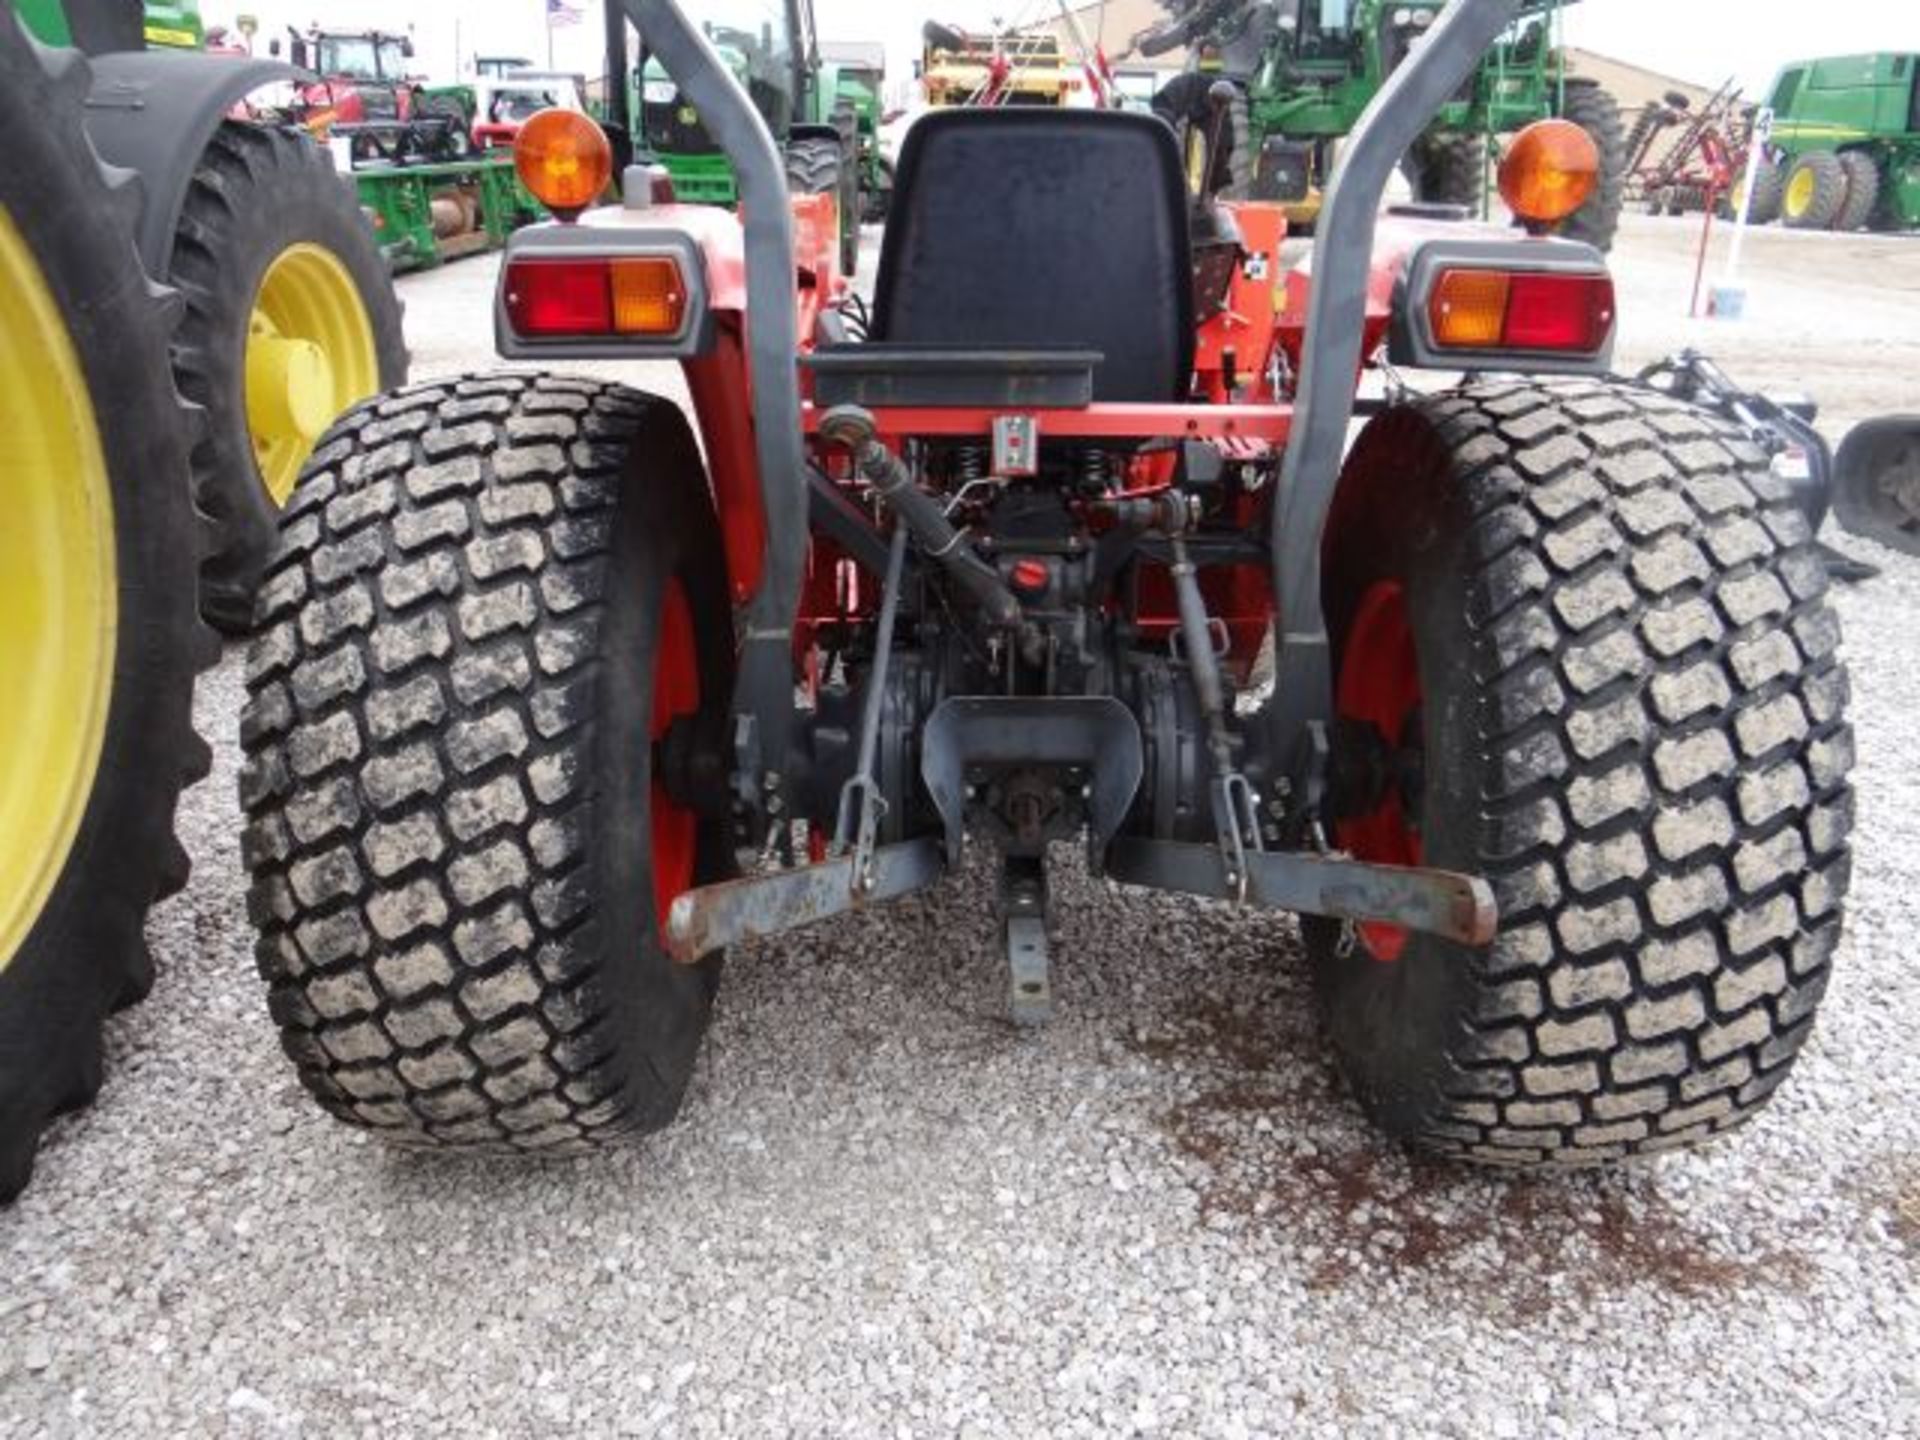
310, 355
58, 602
1800, 191
1196, 160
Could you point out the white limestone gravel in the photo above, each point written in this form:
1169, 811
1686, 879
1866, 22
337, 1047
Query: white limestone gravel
886, 1212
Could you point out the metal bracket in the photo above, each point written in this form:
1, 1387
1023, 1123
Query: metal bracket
1436, 902
760, 906
1023, 907
1097, 732
1016, 445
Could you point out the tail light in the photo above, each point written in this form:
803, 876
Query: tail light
1530, 312
644, 297
1473, 303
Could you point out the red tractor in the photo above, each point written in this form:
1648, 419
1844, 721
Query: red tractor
563, 690
362, 89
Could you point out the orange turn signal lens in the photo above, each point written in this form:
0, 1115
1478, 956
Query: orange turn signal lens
1549, 171
564, 160
1469, 309
649, 297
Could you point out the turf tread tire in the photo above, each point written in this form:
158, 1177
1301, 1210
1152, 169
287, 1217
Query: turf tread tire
1633, 613
437, 736
86, 954
257, 190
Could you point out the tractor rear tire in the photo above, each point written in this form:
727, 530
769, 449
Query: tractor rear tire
1816, 191
819, 167
492, 599
1611, 687
1448, 170
458, 144
271, 234
878, 203
1185, 105
99, 549
1769, 190
1598, 113
1863, 191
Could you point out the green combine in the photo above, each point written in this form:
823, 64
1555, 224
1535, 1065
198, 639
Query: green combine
1845, 149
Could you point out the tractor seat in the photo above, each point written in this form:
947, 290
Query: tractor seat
1031, 230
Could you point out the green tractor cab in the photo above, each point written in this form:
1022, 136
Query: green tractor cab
772, 49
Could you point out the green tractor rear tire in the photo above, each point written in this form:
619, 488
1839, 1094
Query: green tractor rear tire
99, 634
1816, 191
1769, 191
1598, 113
1863, 191
1447, 170
290, 319
819, 166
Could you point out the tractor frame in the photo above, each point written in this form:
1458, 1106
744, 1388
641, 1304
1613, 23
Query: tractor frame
771, 498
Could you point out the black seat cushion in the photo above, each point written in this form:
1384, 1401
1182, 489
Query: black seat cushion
1024, 228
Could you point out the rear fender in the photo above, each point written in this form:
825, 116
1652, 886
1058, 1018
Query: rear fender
153, 113
709, 245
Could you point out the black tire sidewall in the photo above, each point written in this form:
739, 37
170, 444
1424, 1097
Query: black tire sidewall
664, 529
1395, 1024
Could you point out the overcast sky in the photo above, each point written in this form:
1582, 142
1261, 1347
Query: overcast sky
1700, 40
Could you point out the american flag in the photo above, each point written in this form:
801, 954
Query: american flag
559, 12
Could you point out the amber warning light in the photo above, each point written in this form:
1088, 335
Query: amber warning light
564, 160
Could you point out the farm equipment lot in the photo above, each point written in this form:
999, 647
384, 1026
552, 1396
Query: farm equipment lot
886, 1211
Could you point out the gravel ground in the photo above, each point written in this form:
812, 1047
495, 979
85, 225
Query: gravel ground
884, 1211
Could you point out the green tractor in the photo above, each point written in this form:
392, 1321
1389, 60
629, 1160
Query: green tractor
1845, 148
99, 635
773, 50
856, 74
187, 301
289, 315
1303, 71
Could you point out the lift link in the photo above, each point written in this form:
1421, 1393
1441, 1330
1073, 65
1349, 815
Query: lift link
1236, 818
863, 789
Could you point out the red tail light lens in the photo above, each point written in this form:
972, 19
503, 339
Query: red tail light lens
1559, 312
1521, 311
559, 297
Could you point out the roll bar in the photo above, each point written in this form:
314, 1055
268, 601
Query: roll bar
763, 692
1336, 322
